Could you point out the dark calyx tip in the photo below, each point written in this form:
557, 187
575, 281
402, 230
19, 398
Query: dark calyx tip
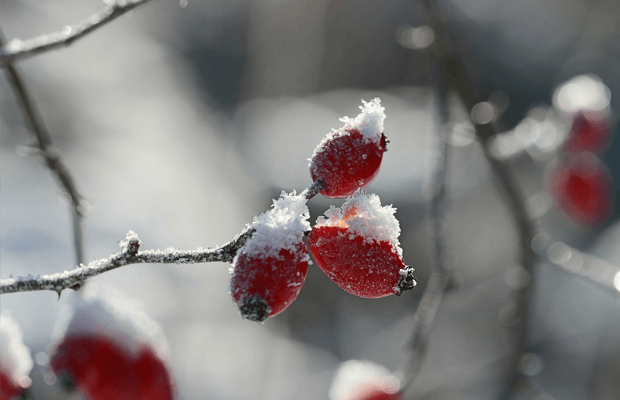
406, 280
254, 308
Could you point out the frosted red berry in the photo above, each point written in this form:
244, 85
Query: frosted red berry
357, 248
270, 270
349, 158
112, 350
582, 189
264, 287
590, 131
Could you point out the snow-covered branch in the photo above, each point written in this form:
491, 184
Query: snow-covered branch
17, 50
130, 254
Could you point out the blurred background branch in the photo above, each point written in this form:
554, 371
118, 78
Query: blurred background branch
51, 155
17, 49
441, 272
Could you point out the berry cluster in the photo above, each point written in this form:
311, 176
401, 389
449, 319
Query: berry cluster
578, 182
357, 247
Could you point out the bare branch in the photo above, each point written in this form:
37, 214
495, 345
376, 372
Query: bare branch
579, 264
437, 283
52, 157
130, 255
17, 50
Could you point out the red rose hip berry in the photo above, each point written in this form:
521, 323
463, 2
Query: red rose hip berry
270, 270
582, 189
358, 249
590, 131
111, 349
349, 158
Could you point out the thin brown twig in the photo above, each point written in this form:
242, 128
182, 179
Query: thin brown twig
53, 160
17, 50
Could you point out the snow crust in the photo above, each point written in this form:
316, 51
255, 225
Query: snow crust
281, 227
364, 216
15, 359
369, 123
355, 373
109, 313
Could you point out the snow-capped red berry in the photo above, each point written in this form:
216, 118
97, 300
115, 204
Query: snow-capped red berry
582, 189
15, 360
349, 158
590, 131
364, 380
108, 348
269, 271
358, 248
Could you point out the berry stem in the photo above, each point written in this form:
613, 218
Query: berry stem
313, 189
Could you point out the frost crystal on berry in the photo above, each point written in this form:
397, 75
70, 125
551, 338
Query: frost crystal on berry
15, 359
269, 271
349, 158
357, 247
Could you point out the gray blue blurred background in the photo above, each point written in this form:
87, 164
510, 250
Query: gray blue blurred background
181, 121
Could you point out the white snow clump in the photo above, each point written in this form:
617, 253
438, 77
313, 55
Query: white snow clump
281, 227
15, 359
367, 218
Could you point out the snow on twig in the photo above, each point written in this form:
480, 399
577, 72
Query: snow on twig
129, 255
17, 50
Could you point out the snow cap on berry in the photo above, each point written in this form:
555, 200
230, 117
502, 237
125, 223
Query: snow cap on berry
364, 216
369, 123
15, 359
355, 377
282, 227
110, 314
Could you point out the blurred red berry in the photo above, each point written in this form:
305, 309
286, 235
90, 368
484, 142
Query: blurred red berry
109, 351
270, 270
375, 391
589, 132
364, 380
349, 158
358, 248
15, 360
582, 189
